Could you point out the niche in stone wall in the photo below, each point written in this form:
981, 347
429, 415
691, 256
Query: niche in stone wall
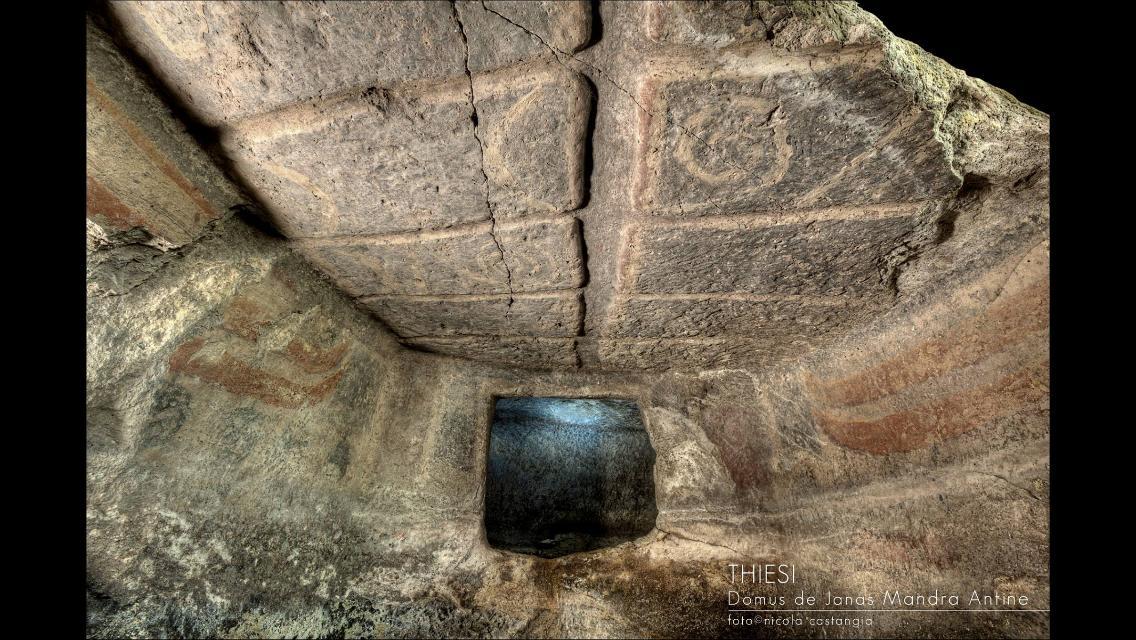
566, 475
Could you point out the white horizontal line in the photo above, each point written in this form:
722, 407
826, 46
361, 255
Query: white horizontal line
742, 296
748, 221
874, 610
473, 297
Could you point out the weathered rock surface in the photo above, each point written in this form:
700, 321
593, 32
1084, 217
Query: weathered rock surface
540, 25
484, 258
711, 315
146, 177
763, 137
536, 314
831, 257
523, 351
728, 23
233, 59
416, 160
795, 171
814, 256
764, 149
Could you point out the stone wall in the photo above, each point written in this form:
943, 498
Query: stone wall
358, 510
848, 374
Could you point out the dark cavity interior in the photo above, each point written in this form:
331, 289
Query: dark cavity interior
567, 475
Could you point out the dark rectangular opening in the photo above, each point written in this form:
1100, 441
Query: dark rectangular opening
566, 475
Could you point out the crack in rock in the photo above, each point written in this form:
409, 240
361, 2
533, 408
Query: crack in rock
603, 74
481, 151
1010, 482
709, 544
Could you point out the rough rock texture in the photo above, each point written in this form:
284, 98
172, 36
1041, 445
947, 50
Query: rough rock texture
538, 314
541, 255
802, 134
415, 162
814, 256
233, 59
147, 180
781, 149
